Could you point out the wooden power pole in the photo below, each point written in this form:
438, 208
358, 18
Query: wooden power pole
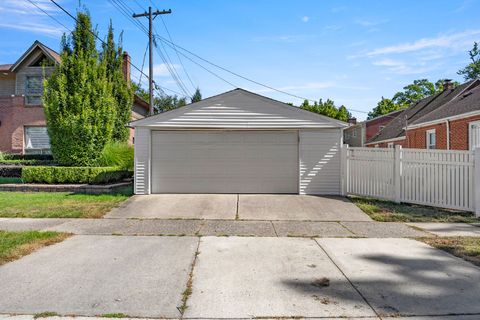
151, 15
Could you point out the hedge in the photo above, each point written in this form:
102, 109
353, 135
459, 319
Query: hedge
21, 162
14, 156
74, 175
10, 171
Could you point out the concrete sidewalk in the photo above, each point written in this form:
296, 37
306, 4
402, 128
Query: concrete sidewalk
449, 229
241, 278
256, 228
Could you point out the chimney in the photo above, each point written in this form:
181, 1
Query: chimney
448, 84
126, 66
352, 121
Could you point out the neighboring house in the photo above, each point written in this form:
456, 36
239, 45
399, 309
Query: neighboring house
22, 118
238, 142
449, 120
357, 134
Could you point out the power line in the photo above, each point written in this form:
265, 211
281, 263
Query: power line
93, 33
45, 12
124, 9
127, 11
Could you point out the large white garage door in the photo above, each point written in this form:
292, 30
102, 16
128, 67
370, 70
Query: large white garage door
224, 162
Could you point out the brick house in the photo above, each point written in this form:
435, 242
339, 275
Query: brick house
357, 134
449, 120
22, 119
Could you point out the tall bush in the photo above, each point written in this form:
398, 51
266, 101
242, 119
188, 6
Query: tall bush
79, 106
122, 91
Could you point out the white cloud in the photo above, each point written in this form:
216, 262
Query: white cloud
302, 87
305, 18
161, 70
370, 23
34, 27
403, 67
455, 40
22, 15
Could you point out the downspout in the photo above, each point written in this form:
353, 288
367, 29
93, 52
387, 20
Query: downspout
448, 134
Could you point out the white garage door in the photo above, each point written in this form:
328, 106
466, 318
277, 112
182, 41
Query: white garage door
224, 162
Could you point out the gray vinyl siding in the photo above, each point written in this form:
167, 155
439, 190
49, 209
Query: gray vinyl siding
23, 73
142, 161
320, 161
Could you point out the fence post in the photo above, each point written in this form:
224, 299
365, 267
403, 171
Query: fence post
397, 167
344, 169
476, 181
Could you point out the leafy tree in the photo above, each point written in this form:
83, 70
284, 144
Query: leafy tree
162, 102
343, 114
472, 70
414, 92
79, 106
121, 89
197, 96
384, 106
328, 109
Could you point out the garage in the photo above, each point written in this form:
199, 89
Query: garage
237, 142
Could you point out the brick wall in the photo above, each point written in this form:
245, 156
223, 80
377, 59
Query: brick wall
13, 117
459, 133
417, 138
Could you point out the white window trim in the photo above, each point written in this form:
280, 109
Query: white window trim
390, 145
427, 140
470, 125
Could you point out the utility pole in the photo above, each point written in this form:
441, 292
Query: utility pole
151, 15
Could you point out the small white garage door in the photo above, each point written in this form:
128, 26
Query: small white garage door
224, 162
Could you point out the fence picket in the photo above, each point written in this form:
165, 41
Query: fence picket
442, 178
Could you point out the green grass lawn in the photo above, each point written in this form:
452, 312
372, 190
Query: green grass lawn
5, 180
467, 248
14, 245
57, 204
387, 211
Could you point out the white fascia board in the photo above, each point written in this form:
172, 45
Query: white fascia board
439, 121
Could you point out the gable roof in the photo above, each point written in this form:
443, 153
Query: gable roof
240, 109
396, 128
49, 53
468, 101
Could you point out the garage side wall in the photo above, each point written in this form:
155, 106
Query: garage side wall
142, 161
320, 169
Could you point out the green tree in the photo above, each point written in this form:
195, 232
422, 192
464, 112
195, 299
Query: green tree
414, 92
328, 109
343, 114
384, 106
472, 70
79, 106
197, 96
121, 89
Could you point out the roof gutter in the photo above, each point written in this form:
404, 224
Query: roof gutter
442, 120
386, 140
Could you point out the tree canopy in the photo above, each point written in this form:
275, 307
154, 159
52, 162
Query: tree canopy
328, 109
417, 90
472, 70
165, 102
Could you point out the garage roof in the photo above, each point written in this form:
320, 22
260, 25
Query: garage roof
238, 109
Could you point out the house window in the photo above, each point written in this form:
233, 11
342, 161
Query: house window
354, 134
33, 90
390, 145
474, 135
36, 140
431, 139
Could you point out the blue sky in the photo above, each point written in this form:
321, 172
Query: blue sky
353, 52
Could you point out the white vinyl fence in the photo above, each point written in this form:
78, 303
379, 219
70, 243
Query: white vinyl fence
440, 178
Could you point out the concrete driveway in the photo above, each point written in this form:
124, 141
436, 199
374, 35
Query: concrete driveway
239, 207
241, 277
